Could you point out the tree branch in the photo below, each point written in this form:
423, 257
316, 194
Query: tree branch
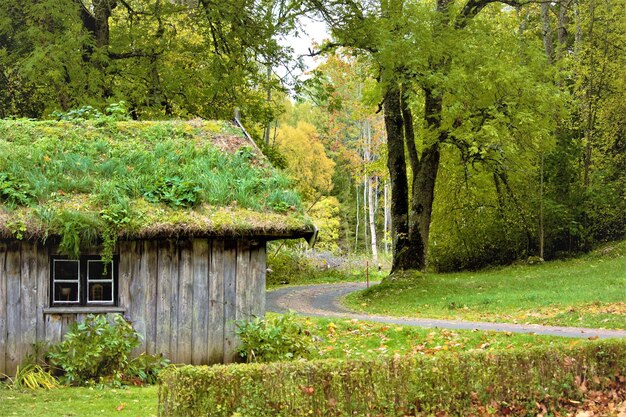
88, 19
133, 54
473, 7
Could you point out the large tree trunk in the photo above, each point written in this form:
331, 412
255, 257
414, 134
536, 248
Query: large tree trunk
410, 229
423, 193
96, 20
403, 258
424, 177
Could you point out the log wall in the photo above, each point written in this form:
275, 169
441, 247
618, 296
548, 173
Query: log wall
183, 296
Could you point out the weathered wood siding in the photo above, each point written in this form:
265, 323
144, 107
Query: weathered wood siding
183, 296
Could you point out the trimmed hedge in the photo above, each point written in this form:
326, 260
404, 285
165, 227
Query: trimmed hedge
411, 385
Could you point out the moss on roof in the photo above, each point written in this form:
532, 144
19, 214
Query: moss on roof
85, 181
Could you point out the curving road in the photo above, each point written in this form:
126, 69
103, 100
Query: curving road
324, 300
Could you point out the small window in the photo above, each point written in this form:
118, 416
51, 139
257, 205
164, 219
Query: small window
83, 282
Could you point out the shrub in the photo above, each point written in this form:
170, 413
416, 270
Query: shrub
287, 265
278, 338
413, 385
145, 369
95, 350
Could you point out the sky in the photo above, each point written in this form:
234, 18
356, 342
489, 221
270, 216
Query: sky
314, 32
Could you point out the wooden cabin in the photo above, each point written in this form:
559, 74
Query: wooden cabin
128, 217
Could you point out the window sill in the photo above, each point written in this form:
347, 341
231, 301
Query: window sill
84, 310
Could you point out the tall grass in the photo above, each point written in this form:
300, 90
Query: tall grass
57, 159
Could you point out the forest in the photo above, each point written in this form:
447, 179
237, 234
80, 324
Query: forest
440, 134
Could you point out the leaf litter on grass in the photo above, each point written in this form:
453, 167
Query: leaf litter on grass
352, 338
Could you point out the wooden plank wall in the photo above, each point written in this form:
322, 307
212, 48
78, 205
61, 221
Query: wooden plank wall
183, 296
23, 294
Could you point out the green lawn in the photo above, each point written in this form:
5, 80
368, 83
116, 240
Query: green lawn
589, 291
80, 402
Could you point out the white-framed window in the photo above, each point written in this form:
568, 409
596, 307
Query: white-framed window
66, 281
86, 281
100, 282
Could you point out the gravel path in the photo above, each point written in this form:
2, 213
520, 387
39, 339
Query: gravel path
325, 301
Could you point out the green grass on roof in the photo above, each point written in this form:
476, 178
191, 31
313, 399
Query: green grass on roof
106, 178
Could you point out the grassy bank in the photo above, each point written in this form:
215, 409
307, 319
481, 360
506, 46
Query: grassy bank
589, 291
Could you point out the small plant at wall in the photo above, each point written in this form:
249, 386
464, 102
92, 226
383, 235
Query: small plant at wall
33, 372
278, 338
96, 350
32, 376
145, 369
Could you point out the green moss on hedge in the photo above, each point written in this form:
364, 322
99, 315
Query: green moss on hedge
412, 385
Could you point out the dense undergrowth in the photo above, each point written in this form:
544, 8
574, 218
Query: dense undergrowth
288, 266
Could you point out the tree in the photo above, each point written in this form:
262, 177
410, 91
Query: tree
583, 188
414, 45
345, 93
599, 91
165, 58
312, 172
306, 159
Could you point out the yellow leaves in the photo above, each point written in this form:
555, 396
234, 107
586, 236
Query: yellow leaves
331, 327
307, 161
325, 214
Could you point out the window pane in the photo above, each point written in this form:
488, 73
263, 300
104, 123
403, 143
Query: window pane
65, 269
66, 292
100, 291
97, 270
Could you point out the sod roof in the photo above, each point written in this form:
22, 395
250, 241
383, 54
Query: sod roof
88, 180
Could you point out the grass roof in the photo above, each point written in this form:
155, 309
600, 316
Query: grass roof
100, 180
